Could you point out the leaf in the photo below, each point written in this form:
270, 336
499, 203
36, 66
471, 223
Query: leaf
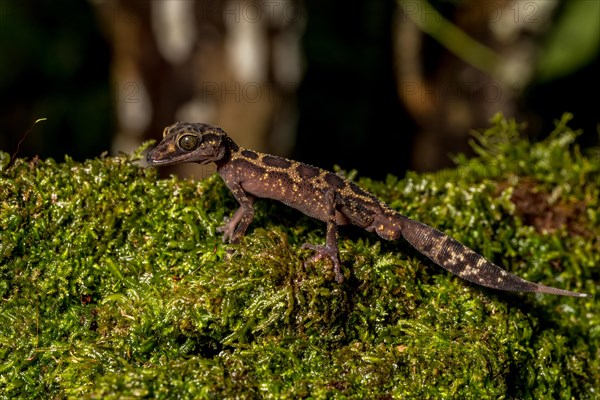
574, 41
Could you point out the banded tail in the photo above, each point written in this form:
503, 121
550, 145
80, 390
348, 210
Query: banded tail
457, 258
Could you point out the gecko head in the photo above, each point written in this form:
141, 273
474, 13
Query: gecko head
190, 142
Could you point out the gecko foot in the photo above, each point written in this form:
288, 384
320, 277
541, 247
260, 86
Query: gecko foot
322, 252
227, 230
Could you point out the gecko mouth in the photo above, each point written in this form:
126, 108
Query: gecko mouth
152, 160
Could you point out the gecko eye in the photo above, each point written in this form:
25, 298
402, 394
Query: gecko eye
188, 142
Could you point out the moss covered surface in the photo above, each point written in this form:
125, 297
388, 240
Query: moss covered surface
114, 284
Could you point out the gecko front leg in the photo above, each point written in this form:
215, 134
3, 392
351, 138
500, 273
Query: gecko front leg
236, 226
330, 250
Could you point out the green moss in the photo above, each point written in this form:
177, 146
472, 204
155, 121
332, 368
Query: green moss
115, 284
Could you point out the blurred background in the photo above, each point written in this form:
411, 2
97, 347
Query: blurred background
378, 86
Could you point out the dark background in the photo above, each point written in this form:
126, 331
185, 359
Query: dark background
55, 63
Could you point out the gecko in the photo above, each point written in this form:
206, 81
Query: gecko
327, 197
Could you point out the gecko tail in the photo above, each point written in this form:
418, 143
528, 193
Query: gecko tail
457, 258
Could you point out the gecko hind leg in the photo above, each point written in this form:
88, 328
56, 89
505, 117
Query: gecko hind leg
330, 250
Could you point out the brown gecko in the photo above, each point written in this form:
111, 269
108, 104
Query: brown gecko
327, 197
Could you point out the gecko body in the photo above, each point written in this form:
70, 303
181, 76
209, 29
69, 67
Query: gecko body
327, 197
